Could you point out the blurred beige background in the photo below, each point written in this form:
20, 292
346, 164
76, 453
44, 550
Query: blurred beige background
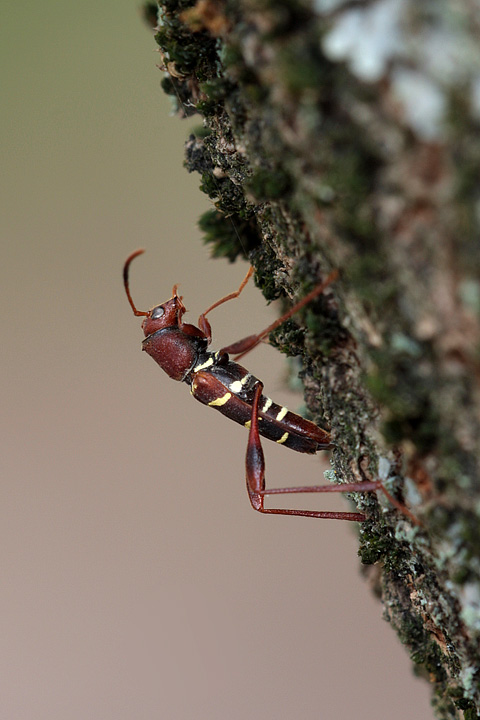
136, 580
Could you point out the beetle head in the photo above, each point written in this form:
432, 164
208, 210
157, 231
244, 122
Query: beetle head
169, 314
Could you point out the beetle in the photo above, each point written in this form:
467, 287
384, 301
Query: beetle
181, 350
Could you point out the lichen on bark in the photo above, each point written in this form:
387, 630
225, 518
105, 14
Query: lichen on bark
321, 155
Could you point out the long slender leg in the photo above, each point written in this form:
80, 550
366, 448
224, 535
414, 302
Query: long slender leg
365, 486
203, 323
255, 471
242, 347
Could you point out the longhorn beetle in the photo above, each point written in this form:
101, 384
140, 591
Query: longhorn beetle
181, 350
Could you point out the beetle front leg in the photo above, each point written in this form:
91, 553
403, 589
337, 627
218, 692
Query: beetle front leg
203, 323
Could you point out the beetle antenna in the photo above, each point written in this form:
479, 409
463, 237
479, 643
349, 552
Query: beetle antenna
126, 268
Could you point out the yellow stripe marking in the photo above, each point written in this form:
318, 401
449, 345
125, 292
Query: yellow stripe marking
205, 365
268, 402
237, 385
283, 438
221, 400
282, 414
248, 424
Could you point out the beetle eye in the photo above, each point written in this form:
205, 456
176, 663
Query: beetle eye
157, 312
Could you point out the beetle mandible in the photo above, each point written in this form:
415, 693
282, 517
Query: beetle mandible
181, 351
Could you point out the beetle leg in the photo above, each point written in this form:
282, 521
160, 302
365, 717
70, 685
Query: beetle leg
255, 471
242, 347
203, 323
205, 327
365, 486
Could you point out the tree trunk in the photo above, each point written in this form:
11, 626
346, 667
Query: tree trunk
346, 136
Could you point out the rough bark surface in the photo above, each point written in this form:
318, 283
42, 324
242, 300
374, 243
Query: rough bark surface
345, 135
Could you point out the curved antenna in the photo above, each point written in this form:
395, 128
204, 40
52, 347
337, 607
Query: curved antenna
126, 268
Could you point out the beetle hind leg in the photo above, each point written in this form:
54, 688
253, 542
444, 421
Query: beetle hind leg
255, 472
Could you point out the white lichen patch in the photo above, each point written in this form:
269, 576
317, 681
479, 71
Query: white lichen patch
384, 466
423, 100
327, 6
330, 475
412, 495
469, 597
467, 677
366, 38
426, 51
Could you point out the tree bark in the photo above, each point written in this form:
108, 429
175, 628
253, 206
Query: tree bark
345, 135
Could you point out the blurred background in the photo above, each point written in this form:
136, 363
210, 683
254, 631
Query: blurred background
136, 580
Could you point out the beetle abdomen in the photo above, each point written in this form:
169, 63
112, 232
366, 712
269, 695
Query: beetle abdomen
230, 389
